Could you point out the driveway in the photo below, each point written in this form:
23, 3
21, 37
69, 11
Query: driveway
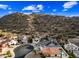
22, 50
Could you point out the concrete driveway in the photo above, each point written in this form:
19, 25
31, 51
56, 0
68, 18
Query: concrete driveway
22, 50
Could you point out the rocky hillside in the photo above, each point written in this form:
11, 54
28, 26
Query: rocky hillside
16, 22
40, 23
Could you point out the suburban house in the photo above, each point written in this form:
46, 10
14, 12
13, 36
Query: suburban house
51, 52
1, 39
71, 47
3, 48
50, 48
55, 52
22, 38
36, 40
12, 42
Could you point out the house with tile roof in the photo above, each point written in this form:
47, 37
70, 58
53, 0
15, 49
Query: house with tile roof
55, 52
3, 48
51, 52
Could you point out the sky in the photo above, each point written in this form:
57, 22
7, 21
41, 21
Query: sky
64, 8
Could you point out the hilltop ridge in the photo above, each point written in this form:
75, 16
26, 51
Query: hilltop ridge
40, 23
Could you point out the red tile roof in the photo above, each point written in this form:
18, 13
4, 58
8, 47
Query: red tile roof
51, 51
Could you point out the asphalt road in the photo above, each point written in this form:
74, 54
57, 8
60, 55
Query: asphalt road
22, 50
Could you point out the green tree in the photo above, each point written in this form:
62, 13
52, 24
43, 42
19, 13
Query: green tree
30, 40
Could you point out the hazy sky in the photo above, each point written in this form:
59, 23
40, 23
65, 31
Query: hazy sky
67, 8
